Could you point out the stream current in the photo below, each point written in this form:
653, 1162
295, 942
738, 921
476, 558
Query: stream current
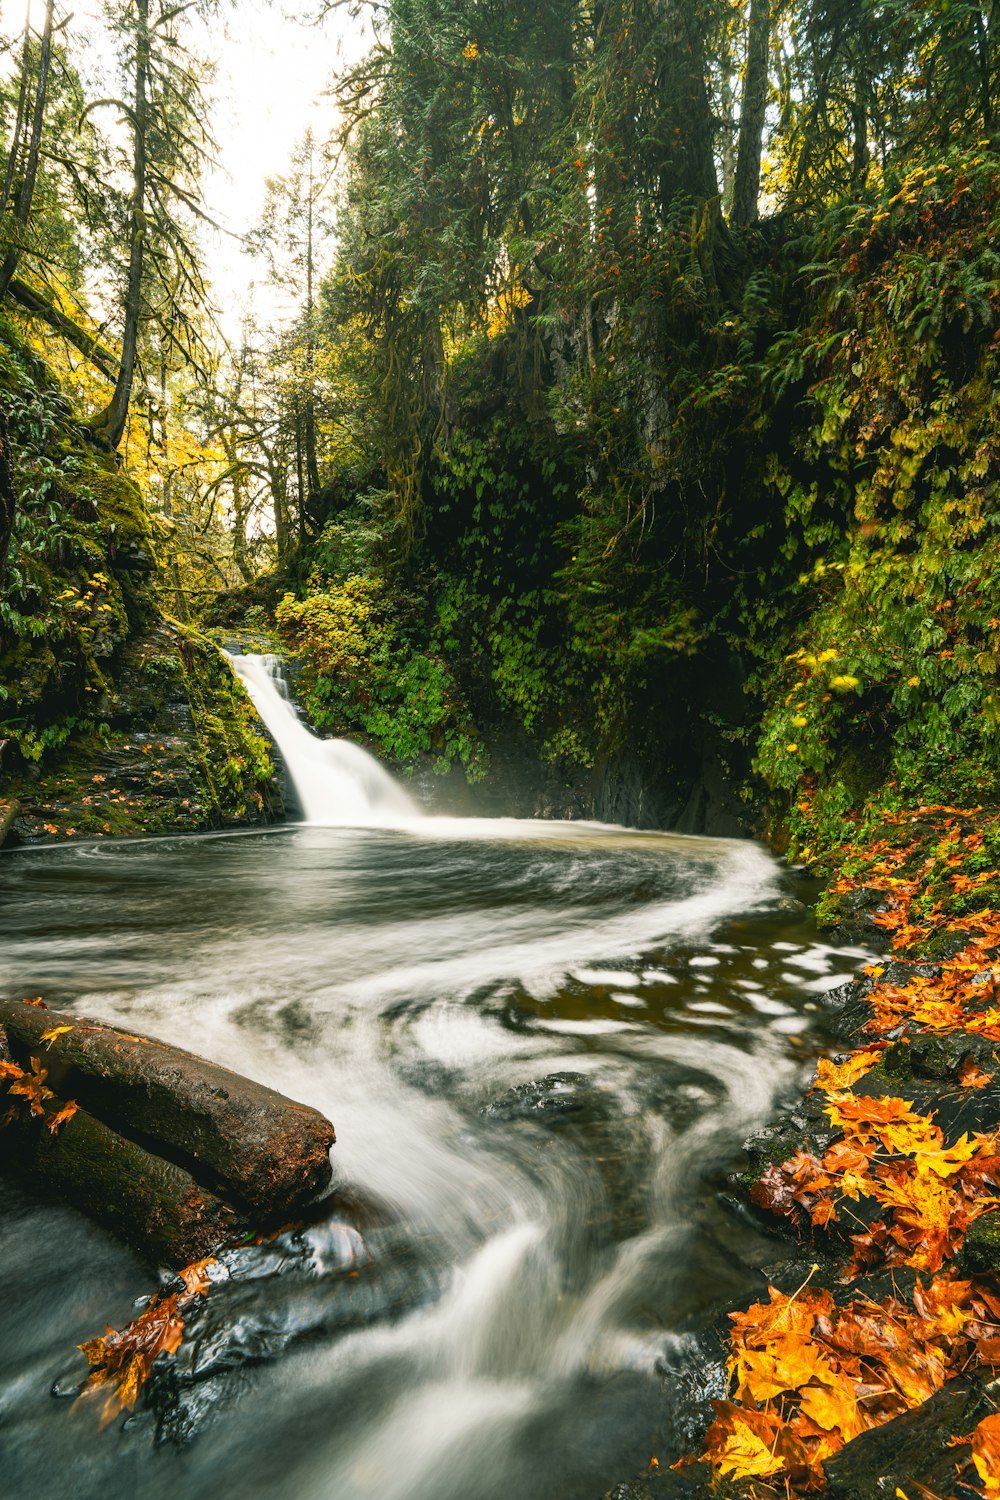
541, 1044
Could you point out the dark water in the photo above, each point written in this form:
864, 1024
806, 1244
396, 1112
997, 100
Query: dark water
541, 1045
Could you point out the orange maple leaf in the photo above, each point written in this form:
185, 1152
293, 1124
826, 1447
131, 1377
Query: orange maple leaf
60, 1118
986, 1453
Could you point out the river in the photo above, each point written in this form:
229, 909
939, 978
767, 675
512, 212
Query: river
541, 1044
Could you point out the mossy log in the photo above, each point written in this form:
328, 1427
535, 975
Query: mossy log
152, 1204
240, 1139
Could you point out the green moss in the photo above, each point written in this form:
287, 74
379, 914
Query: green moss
981, 1248
119, 503
232, 757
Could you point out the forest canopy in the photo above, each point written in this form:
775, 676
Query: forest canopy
635, 383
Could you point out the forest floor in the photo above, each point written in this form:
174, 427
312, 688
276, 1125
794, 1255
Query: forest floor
871, 1369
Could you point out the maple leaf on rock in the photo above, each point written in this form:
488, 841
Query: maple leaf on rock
743, 1442
62, 1115
986, 1453
122, 1360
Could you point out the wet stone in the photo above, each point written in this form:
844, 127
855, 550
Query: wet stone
955, 1110
939, 1056
559, 1096
915, 1449
301, 1287
980, 1253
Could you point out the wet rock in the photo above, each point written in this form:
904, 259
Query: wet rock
664, 1484
914, 1449
851, 916
180, 749
847, 1011
955, 1109
939, 1056
558, 1096
303, 1286
980, 1253
9, 809
803, 1127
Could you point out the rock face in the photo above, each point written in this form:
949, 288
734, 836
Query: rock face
180, 748
9, 810
916, 1453
235, 1137
117, 719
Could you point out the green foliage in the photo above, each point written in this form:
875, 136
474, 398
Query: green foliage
362, 670
890, 691
65, 611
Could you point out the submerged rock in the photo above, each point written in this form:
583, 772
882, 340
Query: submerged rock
980, 1252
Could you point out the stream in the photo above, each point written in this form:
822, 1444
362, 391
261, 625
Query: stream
541, 1044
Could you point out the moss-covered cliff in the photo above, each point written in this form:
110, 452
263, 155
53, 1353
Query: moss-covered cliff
113, 718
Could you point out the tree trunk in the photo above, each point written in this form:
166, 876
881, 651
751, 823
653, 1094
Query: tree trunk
687, 160
8, 493
27, 193
22, 109
279, 496
753, 108
180, 603
309, 415
861, 151
240, 559
985, 60
109, 425
155, 1206
33, 302
234, 1136
300, 473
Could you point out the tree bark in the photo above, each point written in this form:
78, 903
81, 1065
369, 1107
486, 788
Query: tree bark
753, 108
22, 109
687, 162
154, 1206
33, 302
109, 425
234, 1136
27, 193
8, 493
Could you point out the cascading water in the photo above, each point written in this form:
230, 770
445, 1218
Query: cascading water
336, 782
541, 1044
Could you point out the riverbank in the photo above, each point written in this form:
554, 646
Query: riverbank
870, 1368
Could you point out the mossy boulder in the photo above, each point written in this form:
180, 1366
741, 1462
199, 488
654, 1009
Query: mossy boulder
980, 1253
180, 749
113, 719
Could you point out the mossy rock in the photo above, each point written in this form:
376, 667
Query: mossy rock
180, 749
980, 1252
119, 503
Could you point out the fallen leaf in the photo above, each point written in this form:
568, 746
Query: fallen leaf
54, 1032
62, 1115
986, 1453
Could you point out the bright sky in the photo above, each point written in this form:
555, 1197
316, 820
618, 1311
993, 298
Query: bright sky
269, 91
273, 68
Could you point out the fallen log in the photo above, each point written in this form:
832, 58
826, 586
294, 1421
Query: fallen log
241, 1140
153, 1205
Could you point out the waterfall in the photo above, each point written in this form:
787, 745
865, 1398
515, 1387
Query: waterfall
336, 782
